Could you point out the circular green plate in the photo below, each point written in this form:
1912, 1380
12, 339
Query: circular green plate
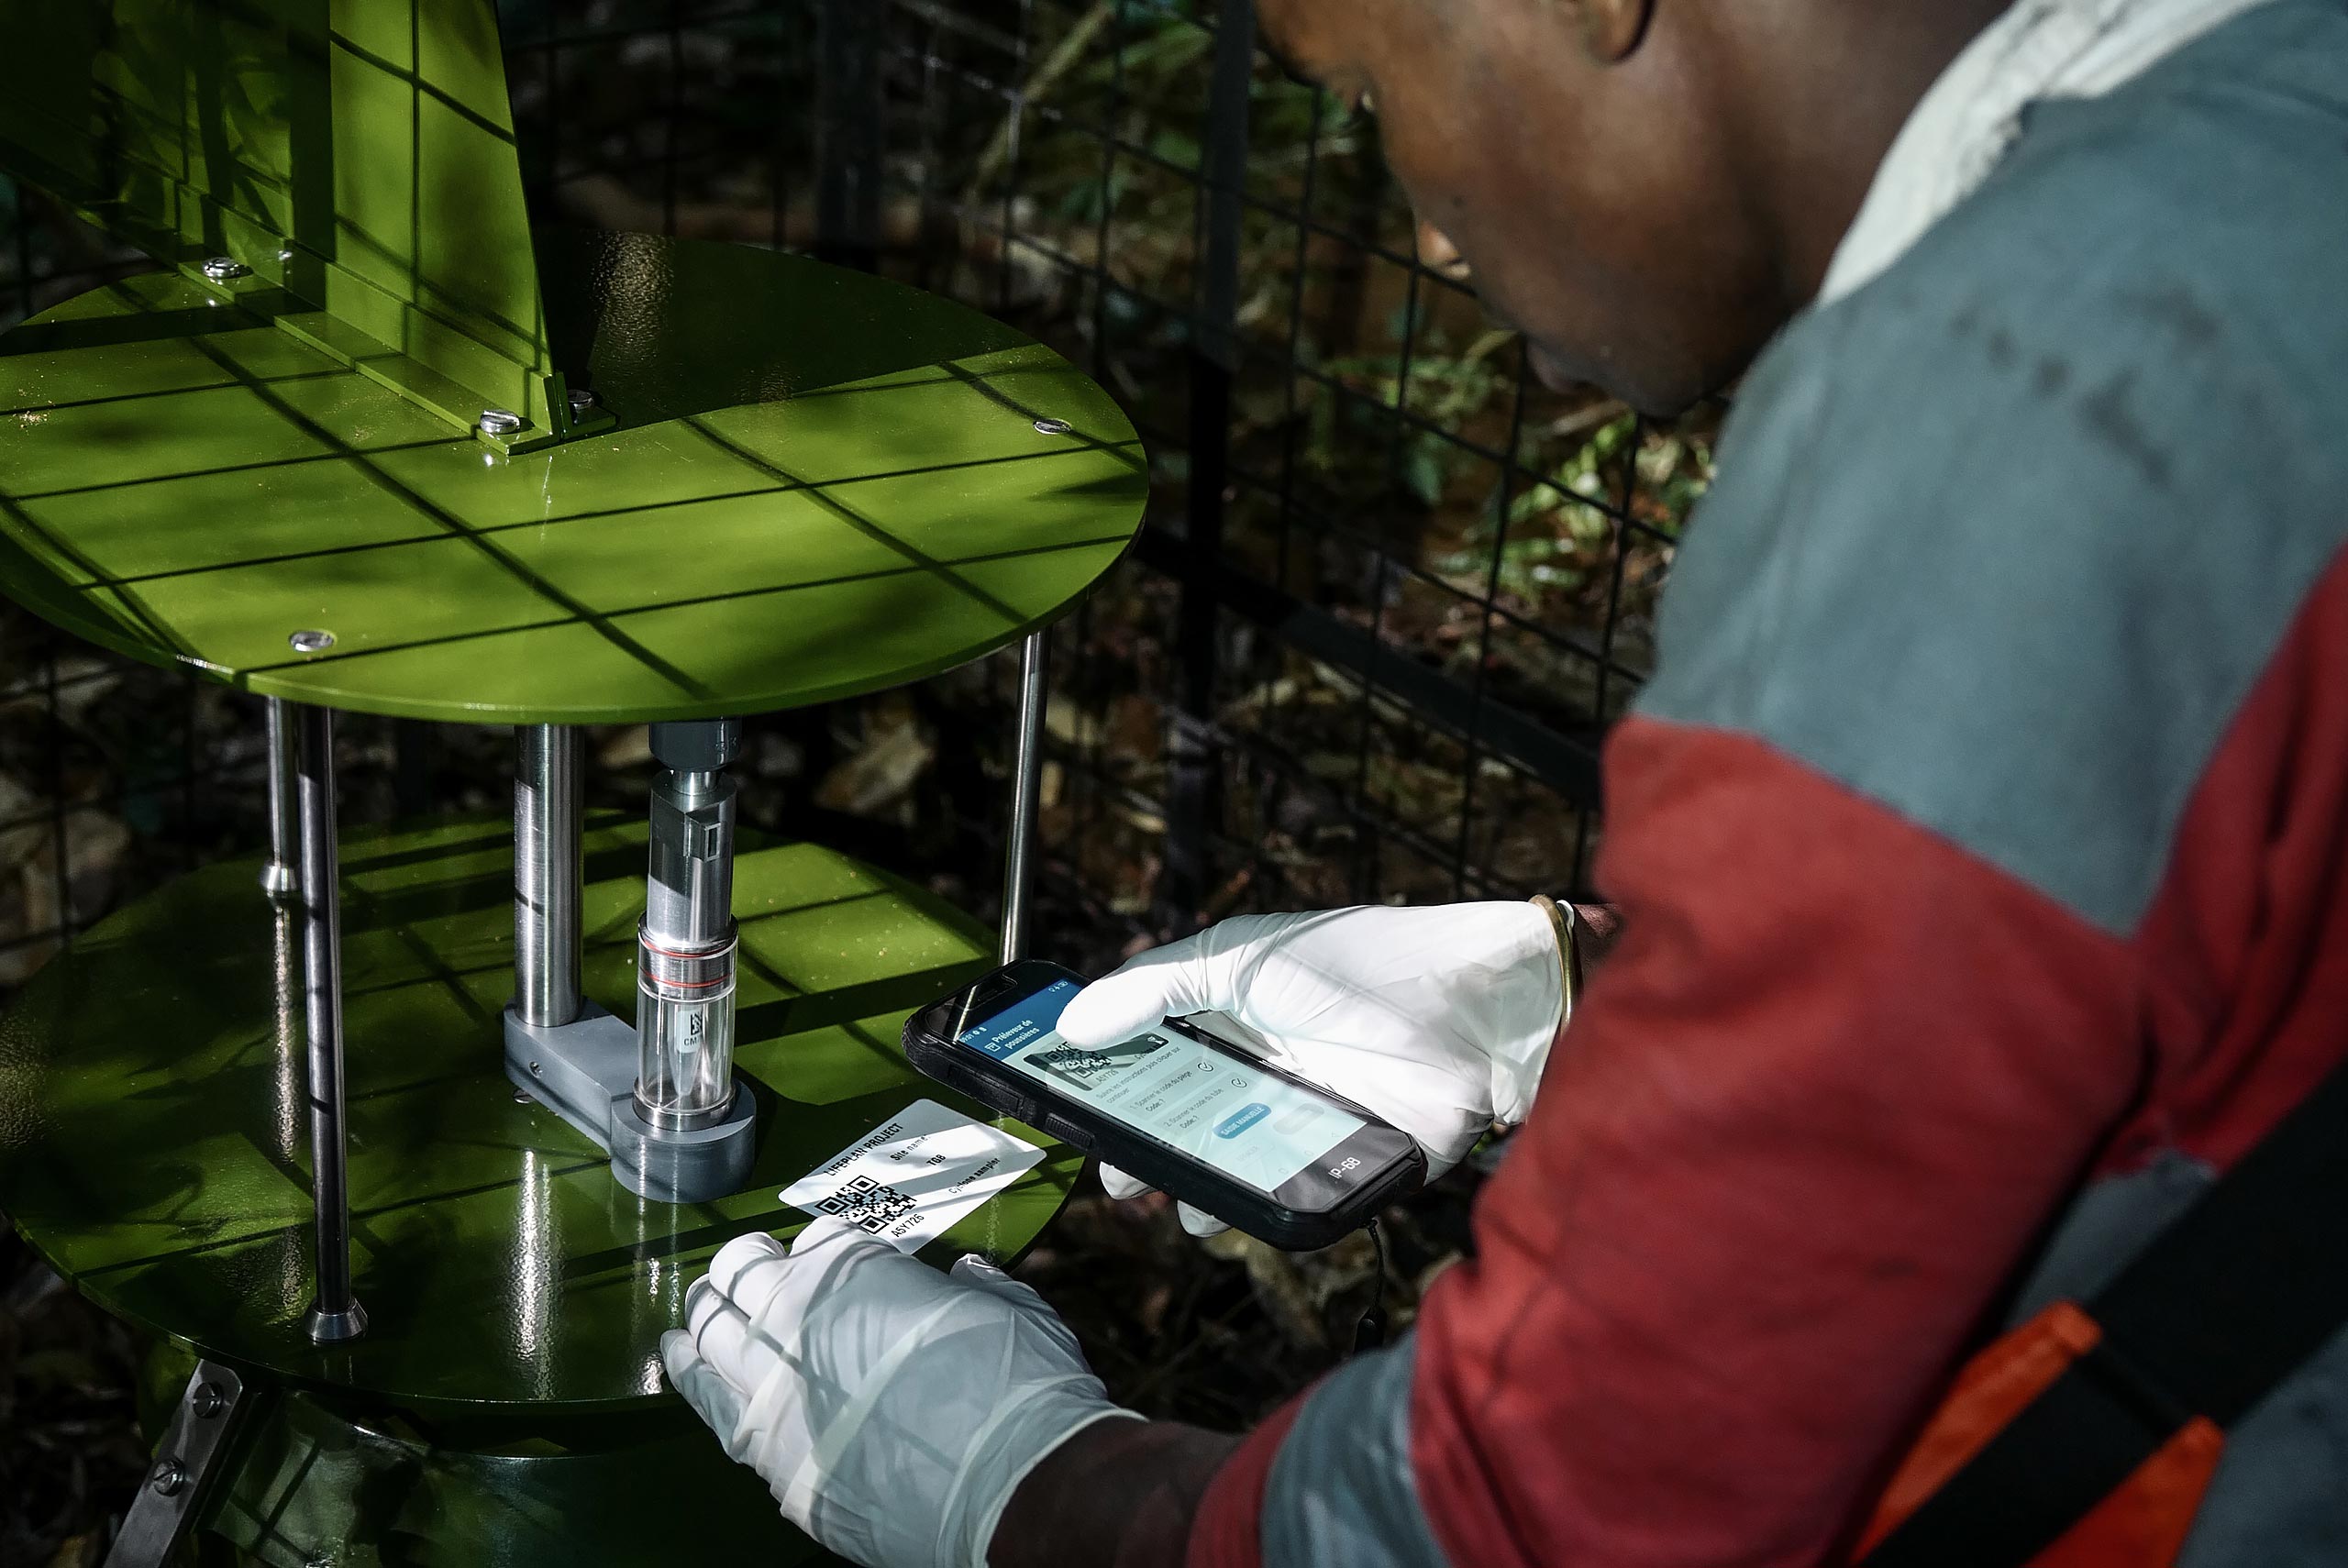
823, 483
154, 1131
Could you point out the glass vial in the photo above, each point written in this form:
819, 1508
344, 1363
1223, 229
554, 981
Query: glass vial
684, 1031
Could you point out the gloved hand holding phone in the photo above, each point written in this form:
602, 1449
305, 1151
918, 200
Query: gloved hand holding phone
1439, 1020
895, 1409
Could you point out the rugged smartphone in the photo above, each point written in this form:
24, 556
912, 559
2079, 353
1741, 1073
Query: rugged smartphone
1193, 1114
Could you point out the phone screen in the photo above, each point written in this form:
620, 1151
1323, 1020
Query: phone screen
1218, 1108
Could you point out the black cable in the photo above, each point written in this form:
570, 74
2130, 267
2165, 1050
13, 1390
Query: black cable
1371, 1333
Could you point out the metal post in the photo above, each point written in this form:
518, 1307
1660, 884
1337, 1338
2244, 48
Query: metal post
283, 873
1194, 773
336, 1315
1027, 794
546, 877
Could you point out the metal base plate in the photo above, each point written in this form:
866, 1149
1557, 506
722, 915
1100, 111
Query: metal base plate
692, 1165
154, 1129
575, 1069
585, 1073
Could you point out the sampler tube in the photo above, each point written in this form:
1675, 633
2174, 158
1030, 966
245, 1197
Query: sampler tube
685, 944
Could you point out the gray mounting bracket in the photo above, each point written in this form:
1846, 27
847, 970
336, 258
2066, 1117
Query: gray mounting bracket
584, 1071
187, 1462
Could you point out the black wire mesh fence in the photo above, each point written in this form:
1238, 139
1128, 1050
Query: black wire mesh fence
1391, 592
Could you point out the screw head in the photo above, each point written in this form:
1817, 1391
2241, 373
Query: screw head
522, 1095
537, 1071
1053, 427
501, 421
583, 403
208, 1401
311, 641
169, 1477
225, 269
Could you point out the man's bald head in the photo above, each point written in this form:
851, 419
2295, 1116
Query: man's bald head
1650, 188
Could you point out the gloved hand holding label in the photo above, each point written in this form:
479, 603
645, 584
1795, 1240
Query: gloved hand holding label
1438, 1019
892, 1410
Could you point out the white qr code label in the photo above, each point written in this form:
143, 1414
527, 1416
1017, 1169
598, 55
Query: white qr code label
914, 1174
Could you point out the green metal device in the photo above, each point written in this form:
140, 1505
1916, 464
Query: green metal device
368, 442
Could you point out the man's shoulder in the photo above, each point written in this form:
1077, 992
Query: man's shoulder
2134, 257
2004, 539
2191, 222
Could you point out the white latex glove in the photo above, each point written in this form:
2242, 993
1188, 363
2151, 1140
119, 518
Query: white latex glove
1438, 1019
892, 1410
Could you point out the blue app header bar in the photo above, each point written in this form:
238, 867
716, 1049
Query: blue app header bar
1021, 1023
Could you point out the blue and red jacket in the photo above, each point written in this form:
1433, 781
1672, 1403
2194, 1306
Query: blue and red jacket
1983, 841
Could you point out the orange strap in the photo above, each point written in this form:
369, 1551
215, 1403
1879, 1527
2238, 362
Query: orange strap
2140, 1525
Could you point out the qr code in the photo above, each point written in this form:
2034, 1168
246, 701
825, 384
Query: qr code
1081, 1065
872, 1205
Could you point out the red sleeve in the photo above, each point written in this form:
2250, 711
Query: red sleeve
1820, 1103
1224, 1531
1819, 1106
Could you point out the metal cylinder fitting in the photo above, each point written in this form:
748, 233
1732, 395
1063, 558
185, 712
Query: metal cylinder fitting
685, 944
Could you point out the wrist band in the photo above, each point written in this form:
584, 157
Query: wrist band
1561, 917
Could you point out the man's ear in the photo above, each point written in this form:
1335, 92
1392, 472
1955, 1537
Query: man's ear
1610, 30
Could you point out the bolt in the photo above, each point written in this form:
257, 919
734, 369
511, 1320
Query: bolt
311, 641
170, 1476
208, 1401
522, 1095
582, 403
537, 1071
501, 421
225, 269
1053, 427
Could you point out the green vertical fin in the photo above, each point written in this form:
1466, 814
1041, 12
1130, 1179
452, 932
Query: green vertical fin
357, 155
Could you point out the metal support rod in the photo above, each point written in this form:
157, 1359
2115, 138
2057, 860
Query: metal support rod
283, 873
336, 1315
1027, 794
546, 877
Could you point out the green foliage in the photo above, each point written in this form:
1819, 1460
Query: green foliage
1444, 390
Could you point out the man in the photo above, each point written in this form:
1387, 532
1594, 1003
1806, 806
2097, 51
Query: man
1983, 839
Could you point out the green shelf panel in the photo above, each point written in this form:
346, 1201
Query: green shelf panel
154, 1131
820, 483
